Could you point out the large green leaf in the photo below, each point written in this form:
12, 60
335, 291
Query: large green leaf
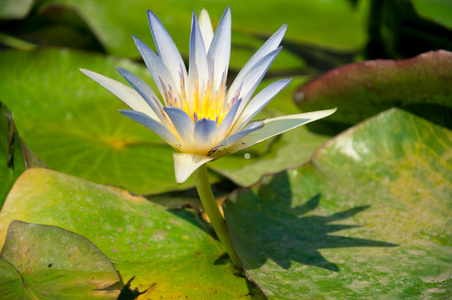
367, 218
361, 90
170, 252
47, 262
309, 21
73, 124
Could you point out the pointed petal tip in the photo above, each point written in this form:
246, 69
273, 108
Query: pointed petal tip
137, 40
287, 81
329, 111
87, 72
227, 13
150, 14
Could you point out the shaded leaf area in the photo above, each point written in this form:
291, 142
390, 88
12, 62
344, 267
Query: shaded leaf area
361, 90
55, 26
15, 156
163, 249
48, 262
367, 217
12, 162
396, 30
74, 126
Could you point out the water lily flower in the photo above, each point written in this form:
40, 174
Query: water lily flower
200, 117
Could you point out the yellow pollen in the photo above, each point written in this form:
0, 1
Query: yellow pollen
205, 102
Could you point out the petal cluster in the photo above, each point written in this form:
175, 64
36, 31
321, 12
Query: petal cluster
199, 116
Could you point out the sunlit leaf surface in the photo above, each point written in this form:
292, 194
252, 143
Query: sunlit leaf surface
171, 253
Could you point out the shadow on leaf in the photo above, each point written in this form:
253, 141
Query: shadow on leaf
269, 226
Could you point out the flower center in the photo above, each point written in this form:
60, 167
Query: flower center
204, 100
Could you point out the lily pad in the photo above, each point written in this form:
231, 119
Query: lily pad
361, 90
170, 252
43, 262
367, 217
310, 22
74, 126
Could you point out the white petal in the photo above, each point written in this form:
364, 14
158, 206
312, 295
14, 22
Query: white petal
204, 135
220, 49
222, 147
153, 125
271, 44
127, 95
225, 125
144, 90
186, 163
275, 126
156, 67
198, 59
183, 125
259, 102
206, 28
254, 77
166, 49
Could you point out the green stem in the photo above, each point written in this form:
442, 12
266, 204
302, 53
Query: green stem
211, 208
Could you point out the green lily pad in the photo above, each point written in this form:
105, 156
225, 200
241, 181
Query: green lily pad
367, 218
43, 262
438, 11
361, 90
310, 22
74, 126
170, 252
